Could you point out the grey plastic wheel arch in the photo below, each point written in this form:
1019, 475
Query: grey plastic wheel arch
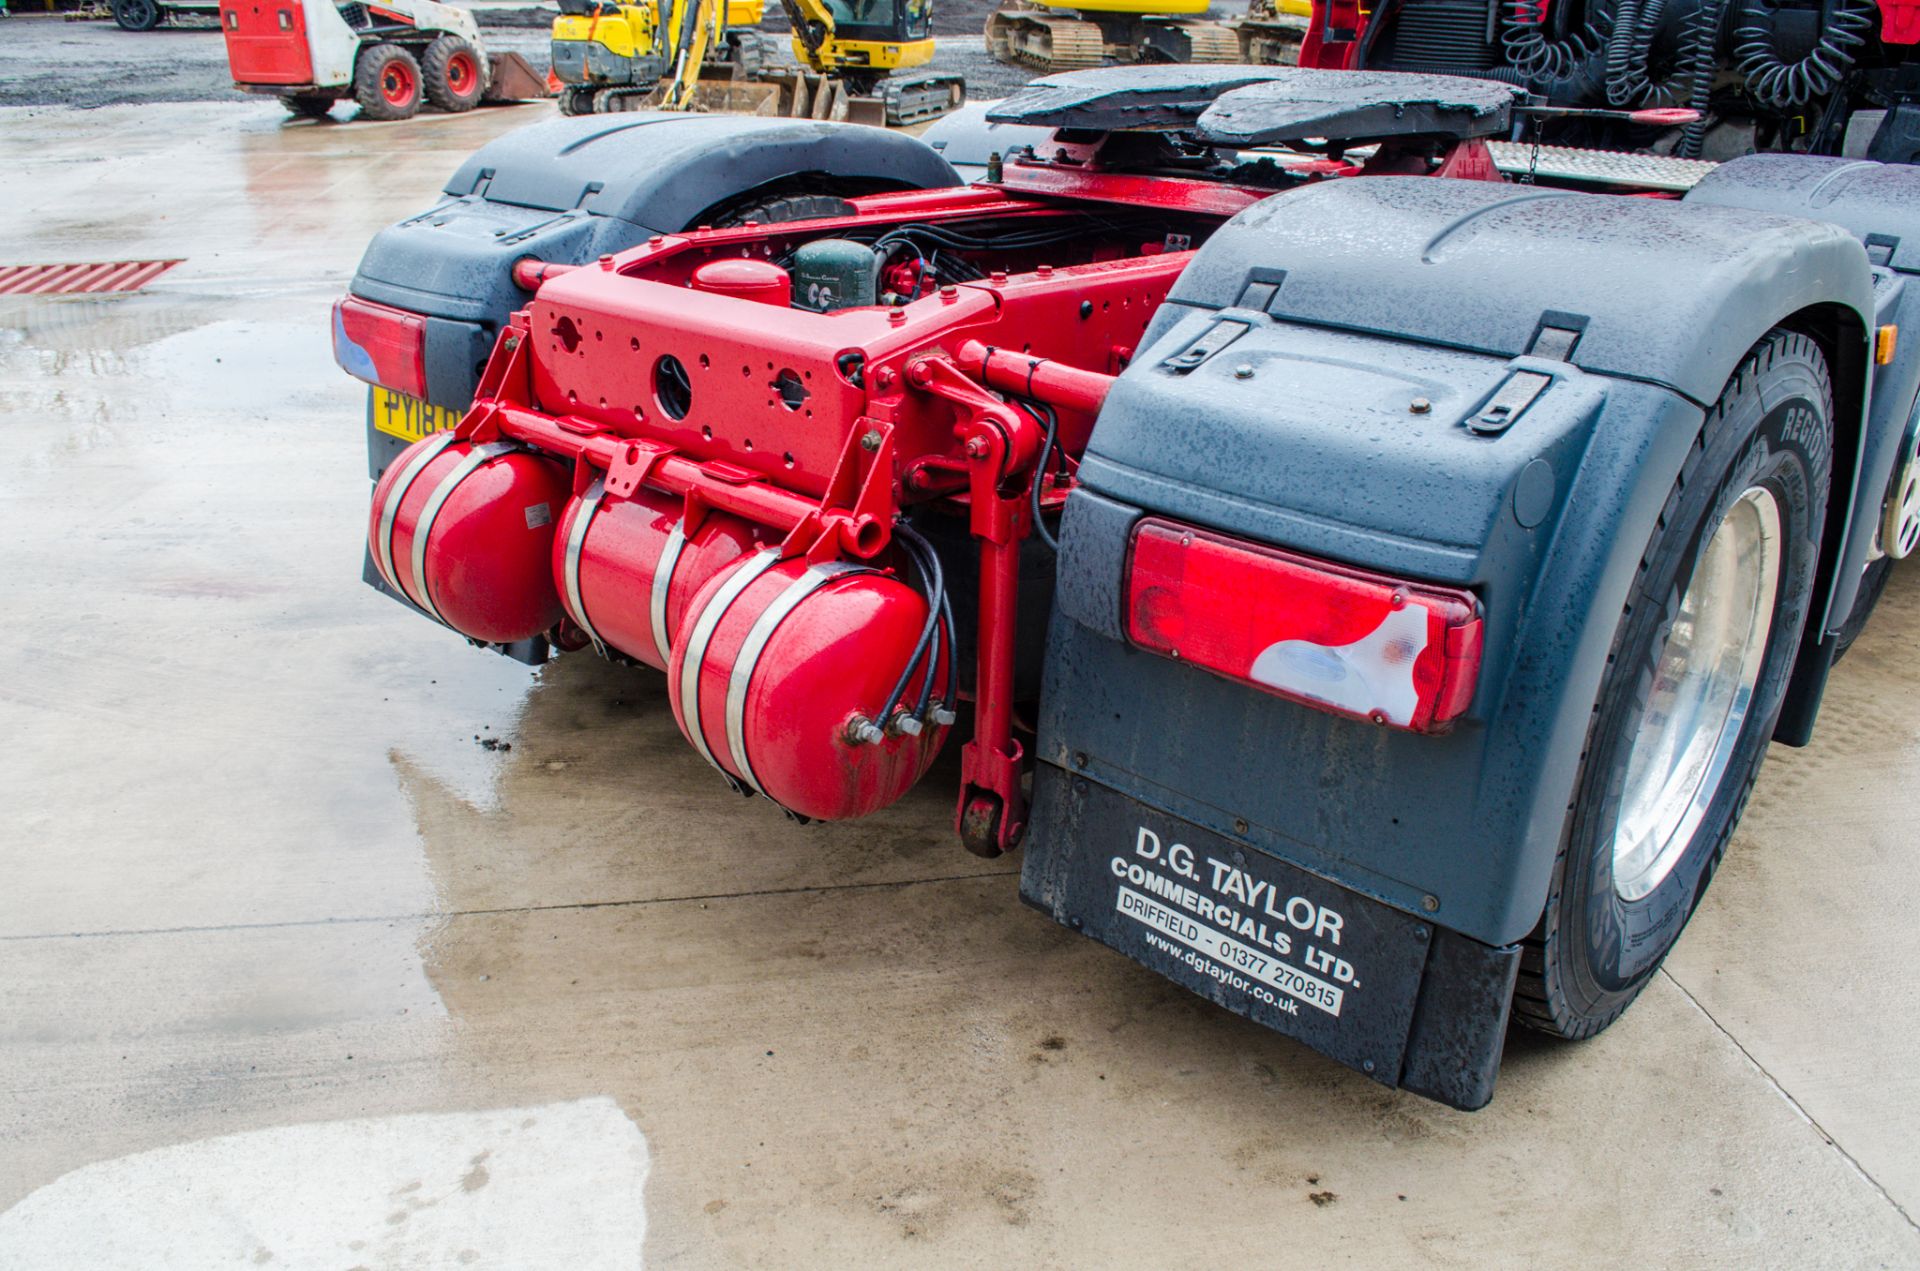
1443, 284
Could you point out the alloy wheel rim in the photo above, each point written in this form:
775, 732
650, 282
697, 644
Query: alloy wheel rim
396, 84
1702, 694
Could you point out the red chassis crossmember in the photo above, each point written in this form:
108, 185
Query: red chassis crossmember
709, 432
823, 428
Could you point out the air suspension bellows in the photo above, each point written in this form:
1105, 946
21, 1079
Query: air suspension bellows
627, 569
782, 669
465, 531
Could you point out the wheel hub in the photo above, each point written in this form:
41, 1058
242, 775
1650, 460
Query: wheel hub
1900, 530
1702, 692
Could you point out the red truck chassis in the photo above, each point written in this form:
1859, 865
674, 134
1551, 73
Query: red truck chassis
762, 438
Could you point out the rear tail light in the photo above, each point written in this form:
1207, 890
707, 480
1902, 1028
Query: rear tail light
1401, 654
381, 345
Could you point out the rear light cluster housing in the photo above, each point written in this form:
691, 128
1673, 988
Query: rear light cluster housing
382, 345
1404, 655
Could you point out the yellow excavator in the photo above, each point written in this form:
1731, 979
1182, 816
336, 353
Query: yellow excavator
1064, 35
704, 55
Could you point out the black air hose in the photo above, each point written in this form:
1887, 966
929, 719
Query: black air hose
1697, 43
1634, 24
1532, 55
1784, 85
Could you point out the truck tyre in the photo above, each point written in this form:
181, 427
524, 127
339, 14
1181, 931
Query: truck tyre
780, 209
386, 83
137, 15
307, 105
1695, 677
455, 75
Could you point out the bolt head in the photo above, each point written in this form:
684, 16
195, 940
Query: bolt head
870, 440
1419, 405
976, 448
1243, 372
1430, 903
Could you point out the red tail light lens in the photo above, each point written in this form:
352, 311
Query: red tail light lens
1401, 654
381, 345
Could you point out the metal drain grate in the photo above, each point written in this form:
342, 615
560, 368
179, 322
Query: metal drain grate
67, 280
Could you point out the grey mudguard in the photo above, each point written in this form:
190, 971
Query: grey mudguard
1879, 204
573, 189
968, 139
1357, 298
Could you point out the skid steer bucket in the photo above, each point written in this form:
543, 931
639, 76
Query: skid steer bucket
511, 78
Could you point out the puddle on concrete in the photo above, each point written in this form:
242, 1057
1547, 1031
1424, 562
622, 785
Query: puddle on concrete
558, 1185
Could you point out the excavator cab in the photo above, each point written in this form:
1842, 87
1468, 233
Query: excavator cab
863, 38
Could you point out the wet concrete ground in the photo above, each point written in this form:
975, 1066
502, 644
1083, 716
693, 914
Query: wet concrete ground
258, 878
48, 61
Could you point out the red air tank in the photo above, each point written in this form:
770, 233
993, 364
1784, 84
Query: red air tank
466, 532
626, 568
777, 660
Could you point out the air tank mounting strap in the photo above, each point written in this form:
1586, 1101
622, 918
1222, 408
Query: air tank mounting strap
663, 584
702, 635
423, 529
402, 483
576, 539
812, 579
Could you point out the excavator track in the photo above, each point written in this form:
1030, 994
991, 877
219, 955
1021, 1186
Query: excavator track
1209, 41
910, 99
1033, 37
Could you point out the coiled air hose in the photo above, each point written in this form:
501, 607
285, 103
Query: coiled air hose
1634, 25
1784, 85
1532, 55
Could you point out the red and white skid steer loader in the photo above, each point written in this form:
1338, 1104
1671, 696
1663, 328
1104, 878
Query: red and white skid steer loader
390, 57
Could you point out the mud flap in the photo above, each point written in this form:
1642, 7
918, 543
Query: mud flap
1407, 1003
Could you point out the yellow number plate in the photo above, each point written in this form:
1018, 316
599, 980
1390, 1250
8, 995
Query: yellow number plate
409, 418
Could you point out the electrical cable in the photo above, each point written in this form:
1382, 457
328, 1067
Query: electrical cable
933, 581
1044, 415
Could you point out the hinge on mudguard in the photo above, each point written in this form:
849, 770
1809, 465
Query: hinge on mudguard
1215, 338
1553, 342
1508, 402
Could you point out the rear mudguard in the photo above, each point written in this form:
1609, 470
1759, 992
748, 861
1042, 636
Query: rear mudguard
1879, 204
569, 191
1381, 325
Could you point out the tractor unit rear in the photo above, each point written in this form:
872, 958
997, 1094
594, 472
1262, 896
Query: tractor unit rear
1363, 583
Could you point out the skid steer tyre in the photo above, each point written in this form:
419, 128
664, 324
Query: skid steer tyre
386, 83
137, 15
454, 73
1695, 677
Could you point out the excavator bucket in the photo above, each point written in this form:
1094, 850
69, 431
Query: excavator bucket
511, 78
